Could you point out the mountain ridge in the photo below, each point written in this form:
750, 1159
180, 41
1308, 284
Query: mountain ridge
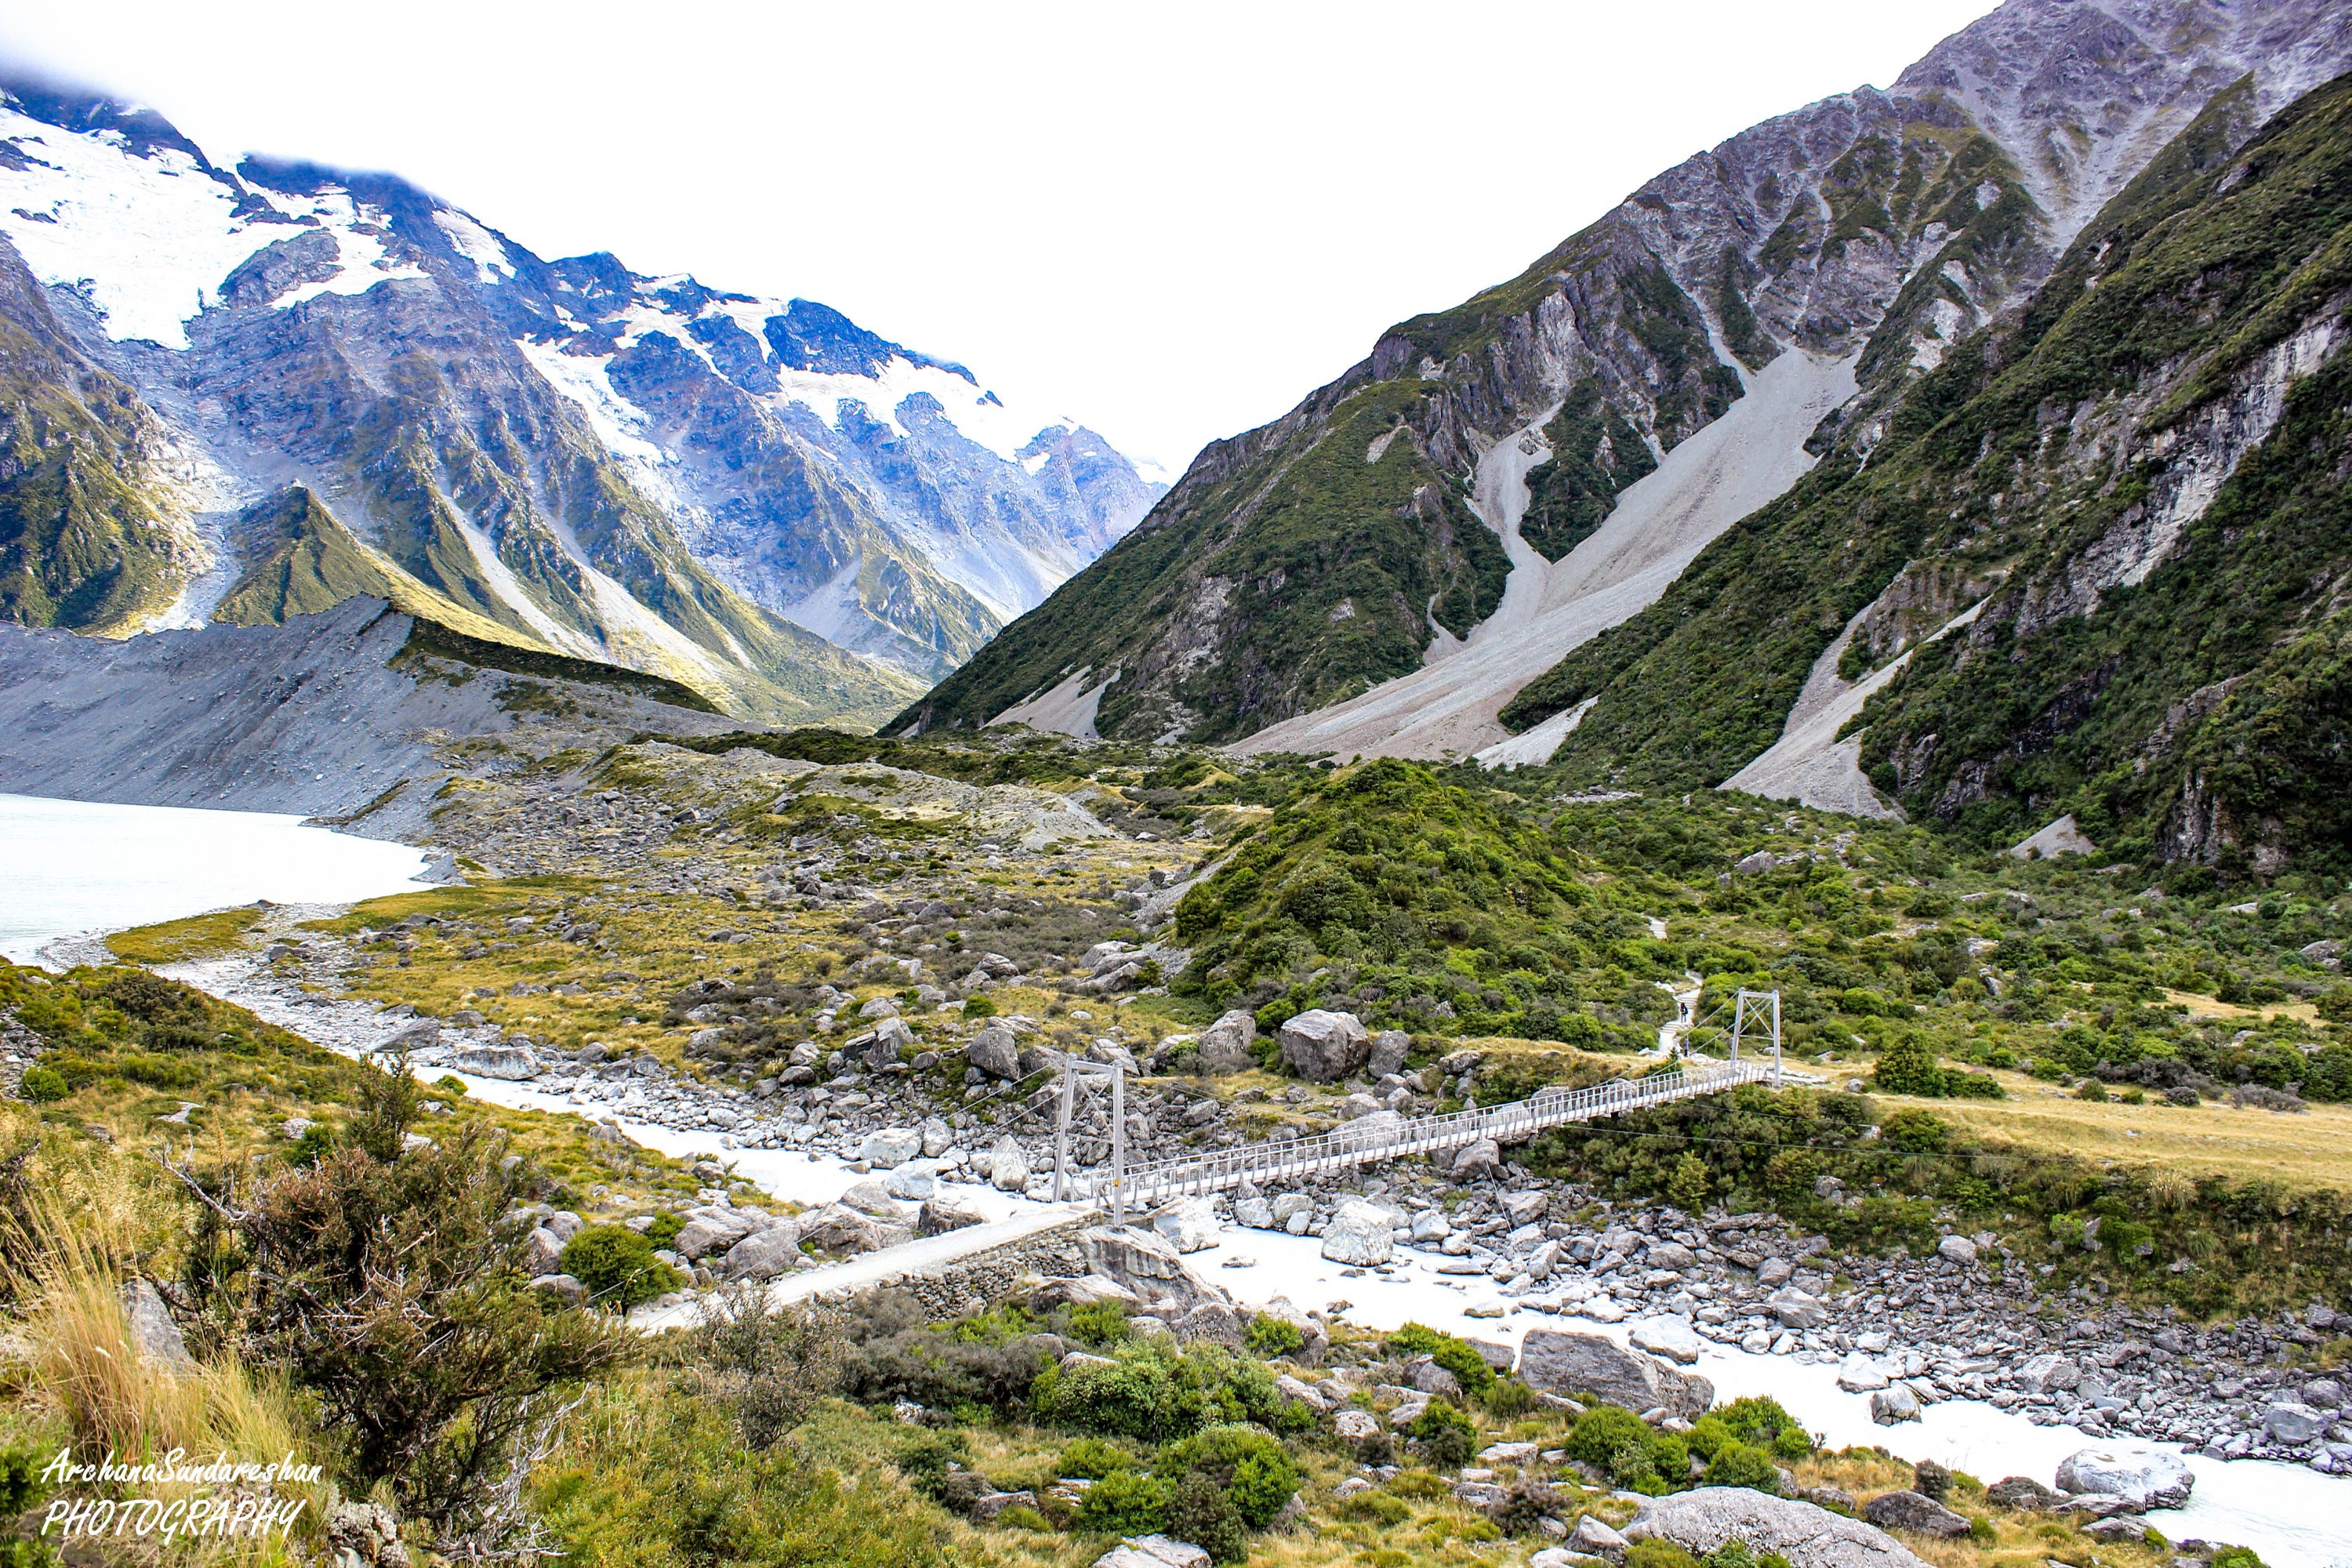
1887, 225
801, 518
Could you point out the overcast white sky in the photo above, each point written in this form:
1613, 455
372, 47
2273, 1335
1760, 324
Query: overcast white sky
1170, 220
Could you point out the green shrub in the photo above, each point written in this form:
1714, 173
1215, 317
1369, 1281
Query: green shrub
1201, 1512
1737, 1464
1447, 1436
617, 1265
1154, 1392
1655, 1551
979, 1007
1124, 1503
1273, 1337
1907, 1066
1247, 1462
1091, 1458
1633, 1454
663, 1483
1097, 1324
1508, 1398
664, 1229
928, 1459
1373, 1507
1457, 1356
1687, 1187
42, 1085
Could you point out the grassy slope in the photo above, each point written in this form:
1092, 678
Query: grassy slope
1329, 569
86, 541
134, 1049
2188, 275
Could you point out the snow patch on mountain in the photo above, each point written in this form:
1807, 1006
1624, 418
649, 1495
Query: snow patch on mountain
586, 380
145, 238
478, 245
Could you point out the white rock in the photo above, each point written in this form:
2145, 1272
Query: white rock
1226, 1045
1008, 1168
1861, 1373
1189, 1224
2148, 1476
1893, 1403
1671, 1337
1324, 1046
886, 1147
1360, 1234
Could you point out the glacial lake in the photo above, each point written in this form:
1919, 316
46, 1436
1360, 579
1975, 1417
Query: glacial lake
73, 867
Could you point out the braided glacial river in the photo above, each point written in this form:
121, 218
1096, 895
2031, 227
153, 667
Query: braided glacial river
71, 869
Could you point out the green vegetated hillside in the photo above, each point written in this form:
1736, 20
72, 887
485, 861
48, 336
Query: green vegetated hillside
2196, 710
1281, 575
88, 537
1297, 565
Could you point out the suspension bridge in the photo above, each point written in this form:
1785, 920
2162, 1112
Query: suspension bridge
1374, 1140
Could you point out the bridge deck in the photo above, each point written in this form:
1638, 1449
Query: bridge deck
1357, 1145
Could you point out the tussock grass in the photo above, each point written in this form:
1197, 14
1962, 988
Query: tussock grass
2303, 1150
85, 1371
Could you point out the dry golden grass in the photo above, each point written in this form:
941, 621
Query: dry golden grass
87, 1373
2198, 1006
2017, 1539
2304, 1149
178, 942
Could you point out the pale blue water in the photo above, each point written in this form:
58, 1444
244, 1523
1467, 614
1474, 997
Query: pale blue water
71, 868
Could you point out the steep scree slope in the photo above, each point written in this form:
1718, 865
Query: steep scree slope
1300, 564
2124, 509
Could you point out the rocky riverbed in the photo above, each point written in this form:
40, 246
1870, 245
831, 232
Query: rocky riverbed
1964, 1323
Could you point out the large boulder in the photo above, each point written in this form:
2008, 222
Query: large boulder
870, 1197
1893, 1403
1913, 1512
1212, 1322
1389, 1048
1809, 1536
1324, 1046
2023, 1493
939, 1215
711, 1230
1360, 1234
543, 1251
1146, 1263
2147, 1476
995, 1052
1572, 1365
1666, 1335
1188, 1224
1226, 1045
887, 1146
1153, 1551
1795, 1309
510, 1062
1481, 1158
843, 1231
2291, 1420
763, 1253
2049, 1374
1008, 1167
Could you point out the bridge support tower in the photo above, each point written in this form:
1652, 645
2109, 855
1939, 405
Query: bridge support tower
1762, 1009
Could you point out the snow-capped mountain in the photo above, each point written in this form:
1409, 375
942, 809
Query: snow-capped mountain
243, 393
